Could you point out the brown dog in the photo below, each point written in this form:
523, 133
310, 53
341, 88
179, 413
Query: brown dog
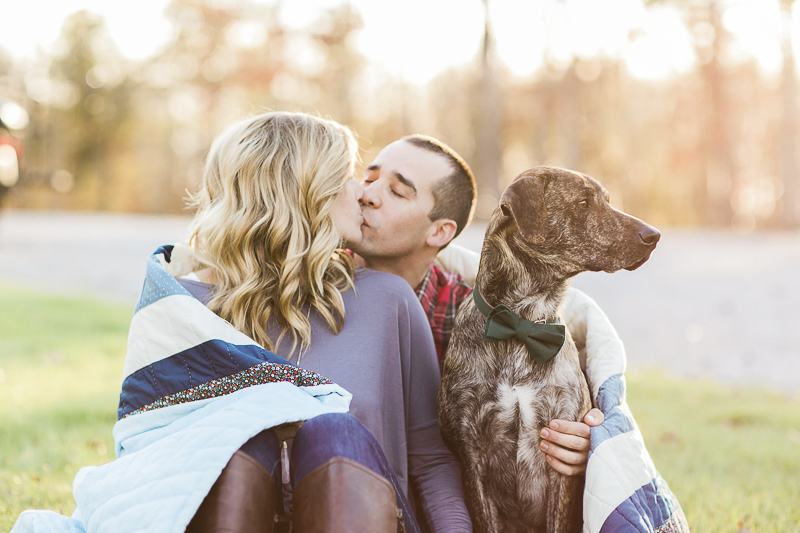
494, 399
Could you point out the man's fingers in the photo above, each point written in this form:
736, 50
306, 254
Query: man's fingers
594, 417
563, 468
566, 440
579, 429
566, 444
565, 455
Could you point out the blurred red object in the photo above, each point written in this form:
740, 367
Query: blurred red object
13, 117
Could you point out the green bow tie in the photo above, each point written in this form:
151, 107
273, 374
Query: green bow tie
543, 340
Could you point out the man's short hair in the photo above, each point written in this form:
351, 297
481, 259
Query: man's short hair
453, 195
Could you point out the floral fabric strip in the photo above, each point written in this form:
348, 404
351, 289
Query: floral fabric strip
255, 375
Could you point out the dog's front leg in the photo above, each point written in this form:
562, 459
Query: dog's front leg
481, 507
565, 505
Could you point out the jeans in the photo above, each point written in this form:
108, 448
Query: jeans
321, 439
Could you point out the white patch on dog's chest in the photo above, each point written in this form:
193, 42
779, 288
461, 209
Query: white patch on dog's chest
524, 401
520, 399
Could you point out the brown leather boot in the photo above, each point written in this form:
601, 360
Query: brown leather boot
343, 496
242, 500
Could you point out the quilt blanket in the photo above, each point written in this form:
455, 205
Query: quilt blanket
194, 390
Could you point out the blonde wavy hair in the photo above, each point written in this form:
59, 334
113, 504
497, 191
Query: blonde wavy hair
264, 224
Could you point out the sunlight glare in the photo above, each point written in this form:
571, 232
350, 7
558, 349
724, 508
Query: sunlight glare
299, 15
758, 29
138, 29
664, 46
417, 39
602, 28
520, 34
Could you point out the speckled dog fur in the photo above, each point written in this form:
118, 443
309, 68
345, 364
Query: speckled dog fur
551, 225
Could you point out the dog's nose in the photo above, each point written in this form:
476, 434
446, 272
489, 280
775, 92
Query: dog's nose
649, 235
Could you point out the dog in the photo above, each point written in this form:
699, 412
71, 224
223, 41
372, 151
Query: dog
494, 400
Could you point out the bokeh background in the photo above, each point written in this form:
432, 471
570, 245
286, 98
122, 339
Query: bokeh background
686, 109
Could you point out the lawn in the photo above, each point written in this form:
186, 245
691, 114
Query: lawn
731, 456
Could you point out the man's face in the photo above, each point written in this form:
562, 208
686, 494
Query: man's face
397, 199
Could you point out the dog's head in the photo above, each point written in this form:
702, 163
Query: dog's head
566, 216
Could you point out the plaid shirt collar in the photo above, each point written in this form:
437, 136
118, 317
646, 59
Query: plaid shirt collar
440, 294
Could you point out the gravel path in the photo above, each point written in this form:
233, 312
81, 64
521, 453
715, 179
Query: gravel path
708, 305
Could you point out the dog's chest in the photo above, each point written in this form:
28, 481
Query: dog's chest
531, 395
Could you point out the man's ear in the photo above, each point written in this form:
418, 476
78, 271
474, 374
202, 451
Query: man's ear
441, 232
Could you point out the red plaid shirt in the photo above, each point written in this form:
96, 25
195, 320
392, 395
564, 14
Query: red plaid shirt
440, 294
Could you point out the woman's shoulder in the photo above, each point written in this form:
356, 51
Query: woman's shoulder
375, 282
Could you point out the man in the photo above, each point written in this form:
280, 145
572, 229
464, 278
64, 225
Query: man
419, 195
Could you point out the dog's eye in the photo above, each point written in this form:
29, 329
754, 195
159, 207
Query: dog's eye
584, 203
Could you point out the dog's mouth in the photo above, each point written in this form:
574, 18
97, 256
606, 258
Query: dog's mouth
641, 261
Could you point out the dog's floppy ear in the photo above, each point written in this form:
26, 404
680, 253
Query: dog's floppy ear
523, 201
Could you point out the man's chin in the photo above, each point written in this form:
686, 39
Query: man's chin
357, 259
358, 249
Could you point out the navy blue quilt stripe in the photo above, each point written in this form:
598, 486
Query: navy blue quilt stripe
644, 511
202, 363
616, 422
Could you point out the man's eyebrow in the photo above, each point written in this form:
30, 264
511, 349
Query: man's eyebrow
405, 181
373, 167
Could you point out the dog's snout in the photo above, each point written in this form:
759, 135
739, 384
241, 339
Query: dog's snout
649, 235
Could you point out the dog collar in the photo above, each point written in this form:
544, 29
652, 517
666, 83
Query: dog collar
542, 338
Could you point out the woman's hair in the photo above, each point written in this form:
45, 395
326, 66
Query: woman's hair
264, 224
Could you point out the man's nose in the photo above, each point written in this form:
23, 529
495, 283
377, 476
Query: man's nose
359, 191
370, 196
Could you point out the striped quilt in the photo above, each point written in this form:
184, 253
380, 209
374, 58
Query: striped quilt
179, 351
194, 390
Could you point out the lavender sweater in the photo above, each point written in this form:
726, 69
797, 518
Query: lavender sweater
385, 356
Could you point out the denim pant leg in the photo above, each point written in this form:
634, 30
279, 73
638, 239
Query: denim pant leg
266, 449
341, 435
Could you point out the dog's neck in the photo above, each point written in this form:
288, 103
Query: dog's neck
533, 289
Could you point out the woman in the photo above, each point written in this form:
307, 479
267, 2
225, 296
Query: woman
274, 268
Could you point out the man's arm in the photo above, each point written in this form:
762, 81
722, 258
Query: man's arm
458, 259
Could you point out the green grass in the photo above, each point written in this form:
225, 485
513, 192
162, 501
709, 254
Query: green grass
732, 457
61, 361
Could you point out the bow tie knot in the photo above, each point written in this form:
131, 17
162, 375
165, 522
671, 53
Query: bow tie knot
543, 341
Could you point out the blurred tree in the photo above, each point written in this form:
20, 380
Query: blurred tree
227, 60
489, 130
6, 64
90, 124
790, 126
712, 145
717, 190
343, 63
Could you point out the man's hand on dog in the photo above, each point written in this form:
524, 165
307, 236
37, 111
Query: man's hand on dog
566, 444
